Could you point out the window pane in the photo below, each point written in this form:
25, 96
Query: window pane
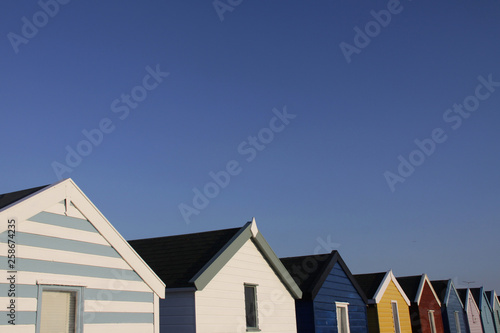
58, 312
457, 322
342, 322
251, 306
432, 323
395, 317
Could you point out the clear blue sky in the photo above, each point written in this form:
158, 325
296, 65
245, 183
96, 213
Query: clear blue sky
321, 174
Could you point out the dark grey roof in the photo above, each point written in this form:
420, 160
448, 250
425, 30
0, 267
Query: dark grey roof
462, 292
10, 198
177, 259
440, 287
310, 272
369, 283
476, 293
410, 285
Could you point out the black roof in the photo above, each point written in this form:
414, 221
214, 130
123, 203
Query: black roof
306, 280
476, 293
410, 285
9, 198
488, 295
462, 292
440, 287
369, 283
310, 272
177, 259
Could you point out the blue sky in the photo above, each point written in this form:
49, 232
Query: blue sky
316, 177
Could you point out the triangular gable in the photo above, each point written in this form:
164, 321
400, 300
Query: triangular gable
389, 276
67, 191
321, 274
480, 297
423, 281
493, 299
451, 288
248, 232
467, 295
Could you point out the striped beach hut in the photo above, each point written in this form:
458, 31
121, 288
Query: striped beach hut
67, 269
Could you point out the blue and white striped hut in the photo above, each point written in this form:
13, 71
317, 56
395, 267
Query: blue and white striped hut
65, 268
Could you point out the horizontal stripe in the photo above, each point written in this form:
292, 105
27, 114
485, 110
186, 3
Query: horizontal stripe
115, 306
112, 317
37, 253
22, 290
122, 328
22, 318
115, 285
21, 304
43, 266
63, 244
63, 221
21, 328
122, 295
61, 232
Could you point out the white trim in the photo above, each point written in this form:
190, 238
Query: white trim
432, 323
156, 314
389, 276
345, 306
424, 279
67, 189
393, 319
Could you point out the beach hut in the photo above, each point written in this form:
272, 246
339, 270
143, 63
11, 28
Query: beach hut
495, 307
485, 309
425, 309
472, 311
388, 305
221, 281
65, 268
332, 300
452, 309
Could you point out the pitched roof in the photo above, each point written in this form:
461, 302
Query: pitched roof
370, 283
177, 259
25, 204
476, 293
318, 267
440, 287
192, 261
462, 292
10, 198
410, 285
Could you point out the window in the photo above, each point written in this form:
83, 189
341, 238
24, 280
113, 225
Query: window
342, 317
251, 307
59, 309
432, 322
395, 317
457, 322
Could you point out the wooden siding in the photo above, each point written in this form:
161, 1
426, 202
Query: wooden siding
473, 316
496, 313
220, 306
177, 312
338, 288
55, 249
384, 311
486, 315
428, 303
448, 314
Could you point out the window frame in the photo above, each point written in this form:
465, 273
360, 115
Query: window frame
255, 300
79, 306
432, 321
343, 305
397, 329
457, 322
